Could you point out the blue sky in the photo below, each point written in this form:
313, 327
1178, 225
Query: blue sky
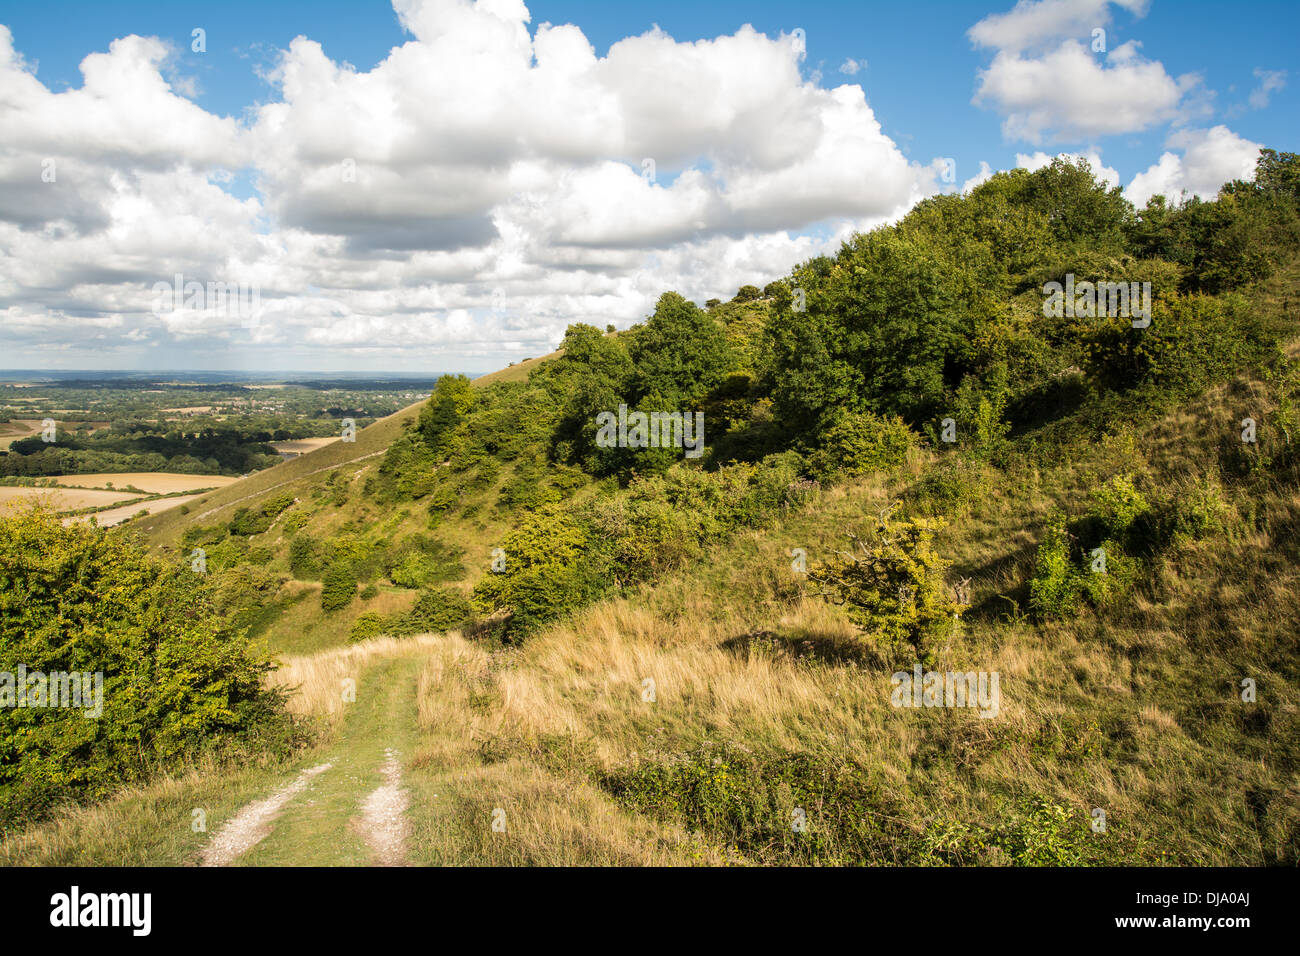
920, 73
916, 64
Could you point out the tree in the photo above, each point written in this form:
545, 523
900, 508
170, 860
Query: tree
451, 400
680, 353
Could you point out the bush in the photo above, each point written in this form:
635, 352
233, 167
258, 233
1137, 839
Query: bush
177, 678
549, 571
854, 444
303, 559
1055, 588
368, 625
338, 586
892, 586
1117, 506
1101, 573
1192, 342
439, 609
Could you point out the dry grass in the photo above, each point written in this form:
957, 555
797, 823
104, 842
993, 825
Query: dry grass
549, 818
318, 679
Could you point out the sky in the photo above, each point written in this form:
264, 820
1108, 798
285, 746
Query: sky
442, 185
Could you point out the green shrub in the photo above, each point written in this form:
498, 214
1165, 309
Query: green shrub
295, 521
892, 586
1118, 506
1101, 573
304, 561
854, 444
257, 519
1192, 342
368, 625
1195, 510
749, 801
1055, 588
178, 679
549, 571
439, 609
951, 487
338, 586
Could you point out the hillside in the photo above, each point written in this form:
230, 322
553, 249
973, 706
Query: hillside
564, 652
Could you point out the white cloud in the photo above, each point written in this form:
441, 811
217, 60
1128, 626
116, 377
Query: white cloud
1051, 84
851, 67
475, 191
1035, 23
1270, 82
1210, 158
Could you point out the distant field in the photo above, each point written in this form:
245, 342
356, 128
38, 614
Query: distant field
60, 499
117, 515
18, 428
154, 482
12, 431
301, 446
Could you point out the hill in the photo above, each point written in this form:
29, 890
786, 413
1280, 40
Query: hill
562, 650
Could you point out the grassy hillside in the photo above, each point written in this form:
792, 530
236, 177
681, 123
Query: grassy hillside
565, 652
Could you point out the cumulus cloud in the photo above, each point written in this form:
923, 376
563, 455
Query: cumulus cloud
1033, 24
1209, 158
485, 184
1051, 84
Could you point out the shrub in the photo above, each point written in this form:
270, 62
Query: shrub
951, 487
439, 609
1192, 342
549, 571
1196, 509
303, 559
296, 520
257, 519
892, 586
368, 625
338, 586
1055, 587
1118, 506
854, 444
177, 678
1103, 572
